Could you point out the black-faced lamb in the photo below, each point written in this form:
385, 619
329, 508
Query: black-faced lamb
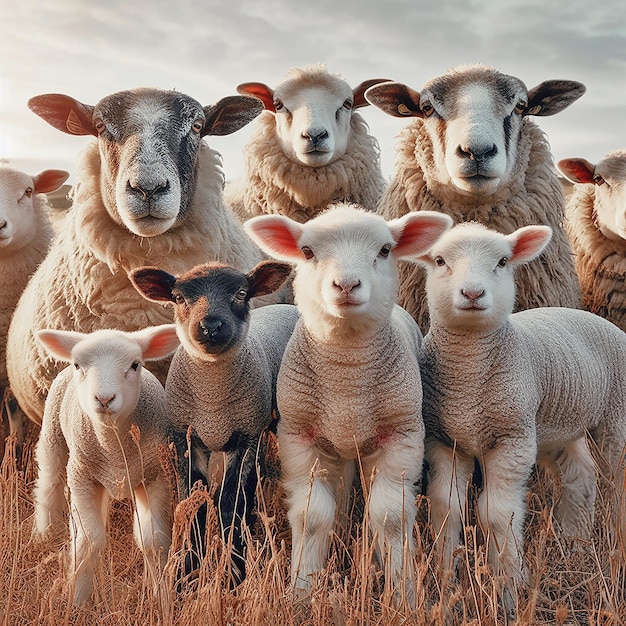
473, 152
104, 419
310, 148
222, 379
25, 236
595, 219
149, 191
509, 389
349, 386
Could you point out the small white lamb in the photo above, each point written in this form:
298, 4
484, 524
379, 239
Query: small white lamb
104, 417
509, 389
349, 386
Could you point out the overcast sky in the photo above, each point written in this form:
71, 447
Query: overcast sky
205, 48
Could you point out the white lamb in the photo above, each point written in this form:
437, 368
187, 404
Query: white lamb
510, 389
349, 386
473, 152
25, 236
310, 148
149, 191
596, 223
104, 419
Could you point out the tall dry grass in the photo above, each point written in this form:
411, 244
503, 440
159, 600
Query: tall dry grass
586, 585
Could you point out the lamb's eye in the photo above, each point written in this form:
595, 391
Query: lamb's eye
384, 251
278, 105
308, 253
427, 108
503, 261
521, 106
178, 299
28, 192
347, 104
135, 366
439, 261
76, 366
241, 295
198, 125
598, 180
100, 126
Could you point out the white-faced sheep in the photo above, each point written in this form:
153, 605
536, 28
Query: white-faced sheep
349, 386
222, 379
595, 219
104, 419
473, 153
25, 236
149, 191
310, 148
509, 389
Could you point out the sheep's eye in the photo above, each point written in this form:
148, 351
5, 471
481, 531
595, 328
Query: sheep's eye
308, 253
76, 366
427, 108
135, 366
384, 251
100, 126
598, 180
178, 299
29, 192
503, 261
241, 295
521, 106
439, 261
278, 105
198, 125
347, 104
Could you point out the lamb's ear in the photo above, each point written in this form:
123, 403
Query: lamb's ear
276, 235
528, 243
152, 283
359, 91
59, 343
416, 232
267, 277
64, 113
395, 99
261, 91
577, 170
230, 114
157, 342
49, 180
552, 96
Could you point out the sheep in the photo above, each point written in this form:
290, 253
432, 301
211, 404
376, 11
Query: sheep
349, 385
25, 236
149, 190
222, 379
310, 148
596, 223
472, 152
104, 419
509, 389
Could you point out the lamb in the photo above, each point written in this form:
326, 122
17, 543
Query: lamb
472, 152
222, 379
310, 148
596, 223
349, 385
149, 190
104, 419
25, 236
509, 389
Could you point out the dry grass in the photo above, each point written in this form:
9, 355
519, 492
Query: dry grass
584, 586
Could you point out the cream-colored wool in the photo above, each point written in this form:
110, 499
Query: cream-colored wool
83, 285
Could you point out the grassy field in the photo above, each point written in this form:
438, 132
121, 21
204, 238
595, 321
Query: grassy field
585, 585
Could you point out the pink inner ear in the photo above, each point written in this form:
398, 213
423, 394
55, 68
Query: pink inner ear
418, 236
161, 344
260, 91
277, 238
577, 170
529, 244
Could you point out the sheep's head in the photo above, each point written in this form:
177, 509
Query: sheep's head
346, 278
470, 281
211, 302
609, 177
473, 116
149, 140
313, 112
107, 365
18, 204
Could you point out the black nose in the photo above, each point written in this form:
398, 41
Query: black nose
147, 191
210, 330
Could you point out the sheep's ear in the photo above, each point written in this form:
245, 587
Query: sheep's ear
577, 170
152, 283
276, 235
59, 343
157, 342
261, 91
528, 242
64, 113
359, 91
552, 96
49, 180
416, 232
395, 99
230, 114
267, 277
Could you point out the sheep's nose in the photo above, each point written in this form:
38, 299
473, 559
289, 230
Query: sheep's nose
315, 136
3, 224
105, 401
346, 285
147, 192
473, 294
477, 152
210, 328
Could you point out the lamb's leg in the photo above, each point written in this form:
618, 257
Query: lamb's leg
395, 470
311, 480
87, 536
448, 476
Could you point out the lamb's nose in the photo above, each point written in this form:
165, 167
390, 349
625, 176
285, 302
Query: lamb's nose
210, 328
105, 401
346, 285
473, 294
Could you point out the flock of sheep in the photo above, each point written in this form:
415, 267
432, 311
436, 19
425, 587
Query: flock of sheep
438, 320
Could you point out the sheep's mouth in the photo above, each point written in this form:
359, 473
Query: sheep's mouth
477, 184
149, 225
